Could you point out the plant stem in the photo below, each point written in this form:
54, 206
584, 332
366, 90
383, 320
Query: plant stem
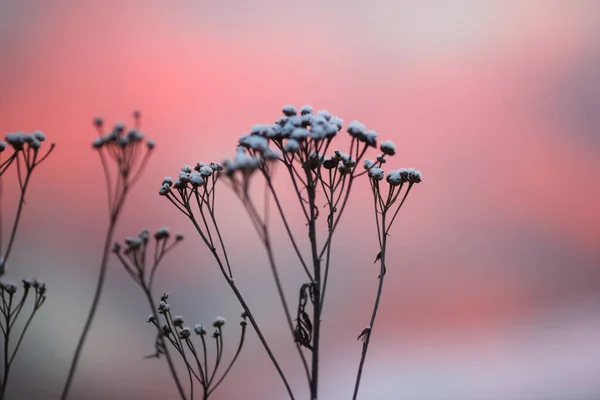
367, 337
99, 286
165, 347
312, 234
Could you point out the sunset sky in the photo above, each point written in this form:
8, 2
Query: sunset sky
493, 284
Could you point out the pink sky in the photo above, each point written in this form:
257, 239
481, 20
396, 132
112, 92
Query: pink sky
486, 98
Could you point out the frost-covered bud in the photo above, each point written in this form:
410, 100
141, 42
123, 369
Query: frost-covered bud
39, 135
98, 142
164, 189
98, 122
376, 174
414, 176
199, 329
368, 164
196, 179
150, 144
206, 171
325, 114
289, 110
135, 136
179, 236
184, 333
371, 138
388, 147
178, 321
27, 283
338, 122
299, 134
133, 242
254, 142
163, 307
394, 178
271, 154
306, 109
28, 138
119, 128
330, 163
186, 168
40, 286
123, 141
15, 140
151, 319
35, 144
162, 233
3, 146
218, 322
291, 146
145, 235
116, 247
381, 158
184, 177
178, 184
356, 129
10, 288
216, 166
167, 180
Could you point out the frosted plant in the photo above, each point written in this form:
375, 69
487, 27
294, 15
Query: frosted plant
10, 309
133, 255
129, 152
302, 144
26, 155
195, 357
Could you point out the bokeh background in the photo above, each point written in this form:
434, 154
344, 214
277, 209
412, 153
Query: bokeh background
493, 287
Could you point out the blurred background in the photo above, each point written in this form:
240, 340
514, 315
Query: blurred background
493, 284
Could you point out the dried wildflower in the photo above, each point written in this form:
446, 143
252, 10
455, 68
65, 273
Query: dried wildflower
388, 147
184, 333
218, 322
199, 329
178, 321
376, 174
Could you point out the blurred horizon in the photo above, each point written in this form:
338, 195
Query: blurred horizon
494, 291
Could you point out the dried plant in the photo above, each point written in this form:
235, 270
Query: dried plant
300, 143
129, 152
26, 156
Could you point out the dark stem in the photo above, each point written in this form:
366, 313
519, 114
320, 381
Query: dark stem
312, 235
99, 286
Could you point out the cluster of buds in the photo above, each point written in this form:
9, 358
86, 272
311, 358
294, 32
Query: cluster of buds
21, 141
172, 330
124, 146
133, 254
27, 144
11, 309
192, 178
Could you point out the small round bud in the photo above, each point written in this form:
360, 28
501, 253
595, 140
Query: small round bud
218, 322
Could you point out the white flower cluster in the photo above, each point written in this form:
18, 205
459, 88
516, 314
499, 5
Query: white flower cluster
188, 176
18, 140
